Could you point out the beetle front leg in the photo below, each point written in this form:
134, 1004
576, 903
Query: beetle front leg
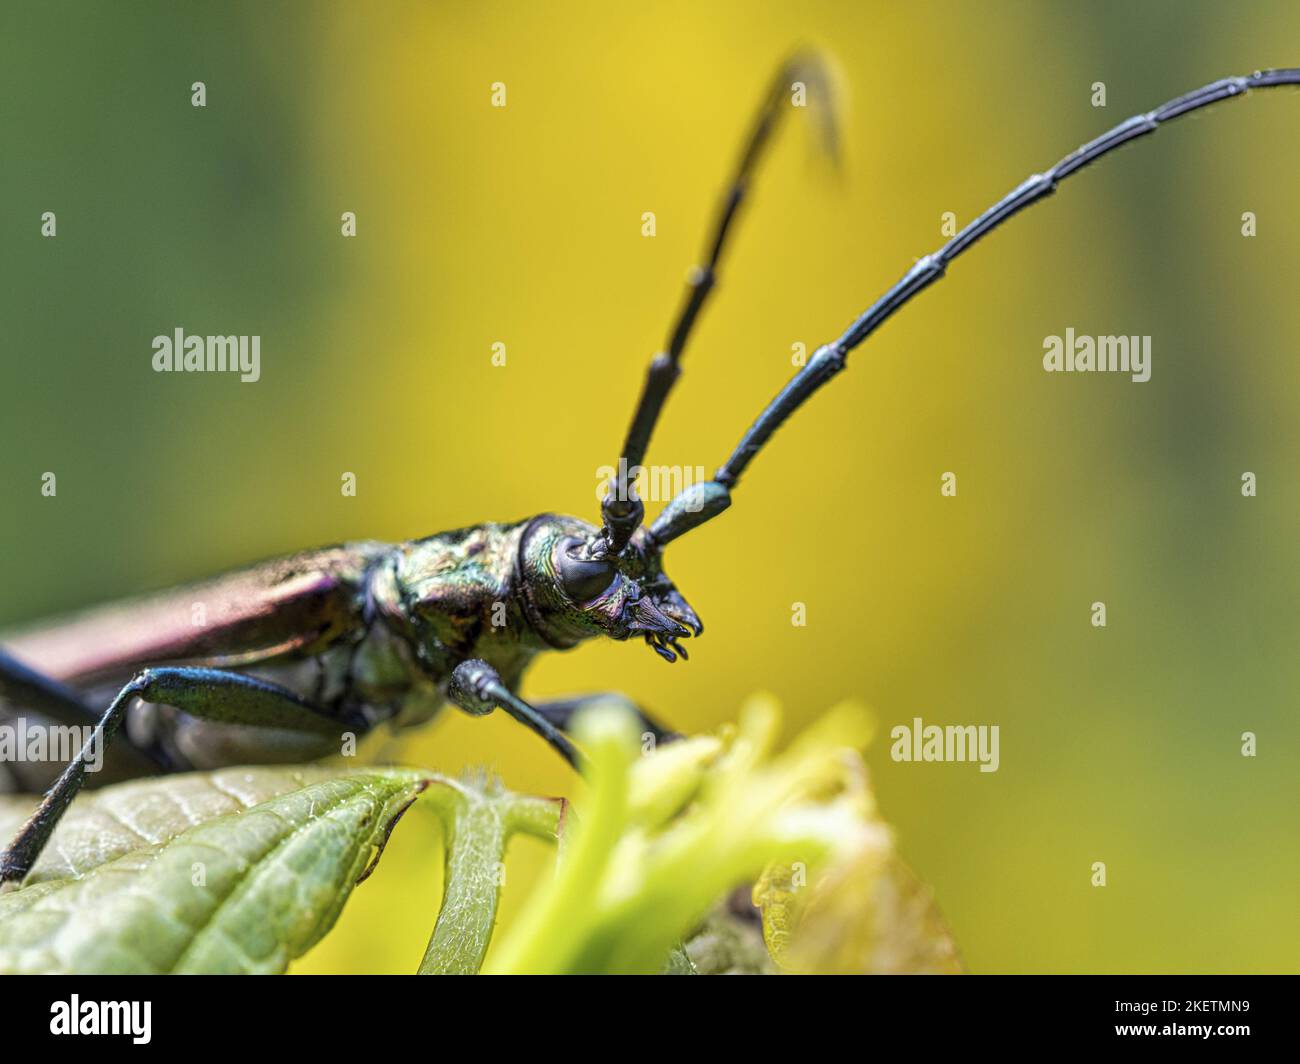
560, 712
212, 694
477, 688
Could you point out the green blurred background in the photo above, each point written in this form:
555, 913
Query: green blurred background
522, 225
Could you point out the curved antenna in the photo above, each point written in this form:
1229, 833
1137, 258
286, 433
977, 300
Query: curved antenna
709, 499
621, 510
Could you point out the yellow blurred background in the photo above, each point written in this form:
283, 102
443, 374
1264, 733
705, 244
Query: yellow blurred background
522, 225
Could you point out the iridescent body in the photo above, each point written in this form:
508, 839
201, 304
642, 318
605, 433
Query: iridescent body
370, 631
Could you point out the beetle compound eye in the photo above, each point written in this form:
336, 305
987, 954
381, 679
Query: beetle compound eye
584, 578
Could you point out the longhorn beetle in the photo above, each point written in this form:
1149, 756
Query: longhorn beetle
300, 651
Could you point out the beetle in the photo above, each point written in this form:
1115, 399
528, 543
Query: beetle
301, 652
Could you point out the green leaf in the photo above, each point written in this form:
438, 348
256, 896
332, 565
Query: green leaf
103, 825
479, 817
245, 892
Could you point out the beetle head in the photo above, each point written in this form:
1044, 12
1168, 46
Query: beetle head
572, 593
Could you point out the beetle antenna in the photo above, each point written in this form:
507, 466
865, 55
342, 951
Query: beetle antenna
621, 509
702, 501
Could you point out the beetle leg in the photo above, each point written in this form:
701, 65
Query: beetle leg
477, 688
227, 697
27, 689
560, 711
